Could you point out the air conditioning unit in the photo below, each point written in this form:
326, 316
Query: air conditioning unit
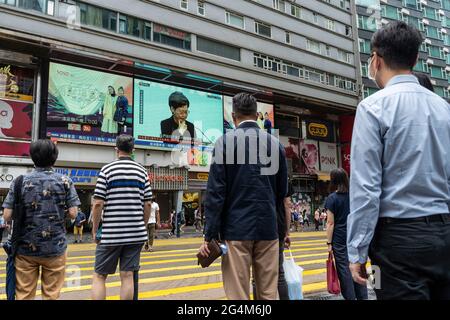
433, 82
430, 61
444, 30
424, 2
427, 41
447, 68
441, 12
384, 21
405, 11
446, 50
425, 21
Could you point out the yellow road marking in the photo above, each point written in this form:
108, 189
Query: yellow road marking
174, 277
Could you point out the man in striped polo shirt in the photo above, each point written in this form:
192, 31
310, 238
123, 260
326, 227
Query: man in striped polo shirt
123, 194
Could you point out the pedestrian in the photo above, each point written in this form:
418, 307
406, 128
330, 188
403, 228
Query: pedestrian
78, 226
306, 217
323, 219
42, 244
424, 80
2, 226
242, 201
400, 174
198, 220
301, 222
296, 218
123, 194
338, 208
153, 221
317, 219
284, 222
173, 221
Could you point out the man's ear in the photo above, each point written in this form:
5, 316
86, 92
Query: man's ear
172, 110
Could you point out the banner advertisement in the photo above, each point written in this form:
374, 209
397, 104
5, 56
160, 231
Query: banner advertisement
170, 117
345, 154
14, 149
15, 120
309, 157
16, 83
328, 156
320, 130
266, 117
292, 146
87, 106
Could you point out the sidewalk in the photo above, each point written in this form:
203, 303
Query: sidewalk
327, 296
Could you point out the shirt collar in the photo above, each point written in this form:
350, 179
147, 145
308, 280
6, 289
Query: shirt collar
41, 169
125, 158
253, 121
402, 79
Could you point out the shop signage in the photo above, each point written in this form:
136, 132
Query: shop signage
9, 173
345, 149
170, 32
328, 156
203, 176
320, 130
166, 178
80, 176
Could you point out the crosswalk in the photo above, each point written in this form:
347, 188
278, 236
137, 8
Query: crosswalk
171, 271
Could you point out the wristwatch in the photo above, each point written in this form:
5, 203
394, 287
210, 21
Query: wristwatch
329, 243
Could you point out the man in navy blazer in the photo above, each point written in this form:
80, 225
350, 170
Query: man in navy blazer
246, 185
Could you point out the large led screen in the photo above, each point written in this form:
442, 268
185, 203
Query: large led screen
88, 106
265, 113
168, 117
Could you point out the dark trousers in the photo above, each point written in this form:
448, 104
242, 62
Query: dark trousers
1, 234
282, 284
414, 258
350, 290
317, 224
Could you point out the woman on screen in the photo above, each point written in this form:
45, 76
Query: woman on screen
177, 125
121, 113
260, 120
109, 109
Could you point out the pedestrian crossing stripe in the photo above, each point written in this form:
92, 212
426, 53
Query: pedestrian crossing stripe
173, 278
163, 254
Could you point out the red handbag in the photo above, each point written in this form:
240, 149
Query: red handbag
332, 276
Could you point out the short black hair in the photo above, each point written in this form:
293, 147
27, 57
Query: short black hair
125, 143
245, 104
398, 44
424, 80
177, 100
44, 153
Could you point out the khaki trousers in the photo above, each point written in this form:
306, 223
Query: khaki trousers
263, 257
151, 228
52, 276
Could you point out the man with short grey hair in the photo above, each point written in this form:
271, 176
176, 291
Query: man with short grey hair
243, 194
123, 194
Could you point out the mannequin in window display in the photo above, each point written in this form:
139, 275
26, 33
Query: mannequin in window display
109, 109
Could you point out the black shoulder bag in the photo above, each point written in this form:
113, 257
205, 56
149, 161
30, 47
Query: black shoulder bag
18, 215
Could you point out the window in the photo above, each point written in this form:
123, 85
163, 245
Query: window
184, 4
279, 5
313, 46
328, 51
201, 8
263, 29
296, 11
344, 56
8, 2
330, 25
235, 20
364, 69
218, 48
315, 18
98, 17
287, 37
364, 46
135, 27
171, 37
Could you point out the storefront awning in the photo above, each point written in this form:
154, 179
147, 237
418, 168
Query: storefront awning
323, 176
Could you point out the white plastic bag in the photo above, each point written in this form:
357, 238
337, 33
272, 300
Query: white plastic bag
294, 278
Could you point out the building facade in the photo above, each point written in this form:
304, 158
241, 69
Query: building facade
431, 17
67, 65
